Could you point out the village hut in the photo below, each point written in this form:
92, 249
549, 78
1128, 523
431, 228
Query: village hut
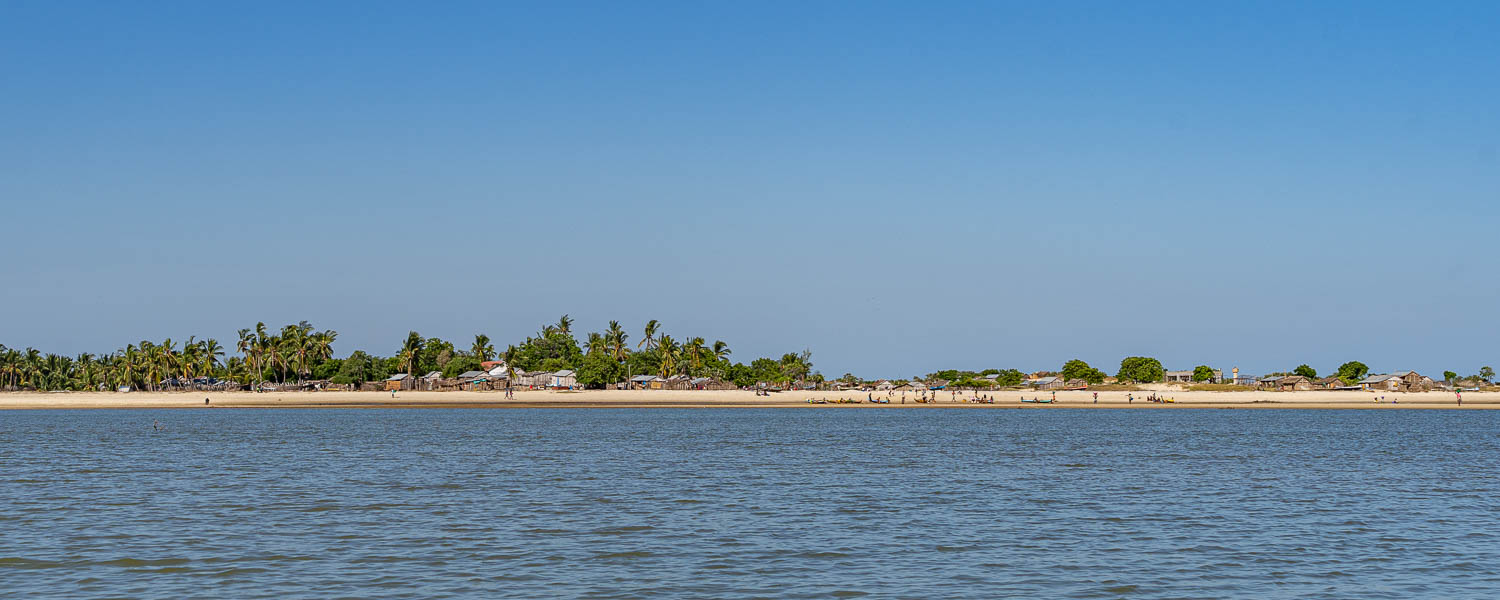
1293, 383
1328, 383
1076, 384
1400, 381
564, 379
399, 381
1050, 382
710, 383
645, 382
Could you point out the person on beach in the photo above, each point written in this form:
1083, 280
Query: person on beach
1096, 397
1460, 395
205, 401
1129, 398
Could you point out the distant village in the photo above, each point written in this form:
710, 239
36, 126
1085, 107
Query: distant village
300, 358
496, 375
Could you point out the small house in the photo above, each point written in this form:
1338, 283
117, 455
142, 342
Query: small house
399, 381
1400, 381
564, 379
645, 382
1187, 377
1328, 383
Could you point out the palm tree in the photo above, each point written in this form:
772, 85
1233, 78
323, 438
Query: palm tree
669, 351
615, 336
130, 365
189, 361
259, 349
482, 348
322, 345
693, 352
510, 356
411, 352
596, 343
246, 344
565, 325
10, 367
211, 354
648, 342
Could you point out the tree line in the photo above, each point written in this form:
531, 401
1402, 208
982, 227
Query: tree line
300, 353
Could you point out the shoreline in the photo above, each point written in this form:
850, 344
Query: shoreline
729, 399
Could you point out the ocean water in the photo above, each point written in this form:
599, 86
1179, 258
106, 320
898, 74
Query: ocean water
749, 503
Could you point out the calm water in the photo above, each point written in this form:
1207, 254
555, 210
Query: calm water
742, 503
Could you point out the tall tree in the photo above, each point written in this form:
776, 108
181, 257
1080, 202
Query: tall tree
482, 348
668, 349
1351, 372
411, 352
1203, 373
648, 342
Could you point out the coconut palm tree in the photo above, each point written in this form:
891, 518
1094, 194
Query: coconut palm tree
692, 352
596, 343
10, 367
510, 356
616, 337
648, 343
188, 361
411, 352
670, 352
211, 354
322, 345
259, 351
482, 349
564, 325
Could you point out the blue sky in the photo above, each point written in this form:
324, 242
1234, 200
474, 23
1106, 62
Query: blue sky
899, 187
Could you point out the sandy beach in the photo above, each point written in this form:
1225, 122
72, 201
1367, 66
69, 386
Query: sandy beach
692, 399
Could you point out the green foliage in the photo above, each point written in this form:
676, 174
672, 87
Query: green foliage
1486, 374
599, 369
1203, 373
1077, 369
326, 369
359, 367
1140, 369
1351, 372
550, 350
1010, 378
1305, 371
1449, 375
459, 365
436, 353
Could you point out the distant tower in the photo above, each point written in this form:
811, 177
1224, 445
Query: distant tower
1236, 371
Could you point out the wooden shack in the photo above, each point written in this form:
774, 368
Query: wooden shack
399, 381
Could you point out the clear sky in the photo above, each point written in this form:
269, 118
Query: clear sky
898, 186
